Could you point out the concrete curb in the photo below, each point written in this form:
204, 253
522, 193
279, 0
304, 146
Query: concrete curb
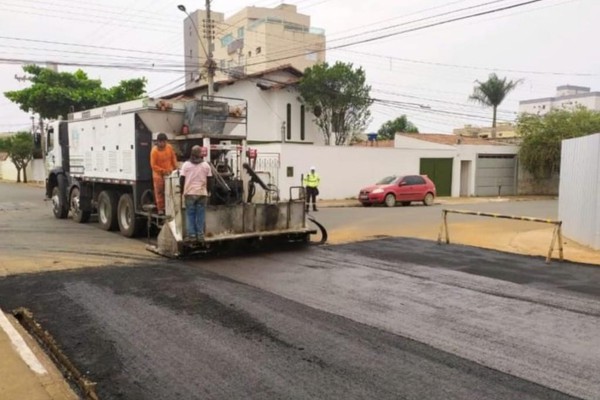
441, 201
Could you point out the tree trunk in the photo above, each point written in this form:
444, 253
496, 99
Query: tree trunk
494, 123
25, 174
18, 175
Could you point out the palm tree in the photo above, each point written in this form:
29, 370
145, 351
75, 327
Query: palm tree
492, 92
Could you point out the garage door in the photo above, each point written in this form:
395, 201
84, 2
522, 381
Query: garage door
493, 171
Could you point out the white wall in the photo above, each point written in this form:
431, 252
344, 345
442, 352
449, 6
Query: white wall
579, 189
345, 170
35, 171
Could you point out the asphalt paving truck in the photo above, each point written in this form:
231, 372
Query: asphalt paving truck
98, 164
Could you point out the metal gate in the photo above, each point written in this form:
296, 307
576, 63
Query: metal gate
496, 175
439, 170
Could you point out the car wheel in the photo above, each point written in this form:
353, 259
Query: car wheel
406, 203
428, 200
390, 200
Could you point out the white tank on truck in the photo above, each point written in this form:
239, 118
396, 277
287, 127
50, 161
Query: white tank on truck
98, 163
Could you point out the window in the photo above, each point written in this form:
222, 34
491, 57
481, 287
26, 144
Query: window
414, 180
289, 122
258, 50
290, 172
225, 40
249, 54
302, 125
240, 32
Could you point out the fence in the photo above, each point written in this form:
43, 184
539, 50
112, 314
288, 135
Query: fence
556, 236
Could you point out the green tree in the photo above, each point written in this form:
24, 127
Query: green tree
491, 93
401, 124
542, 136
20, 150
339, 98
53, 94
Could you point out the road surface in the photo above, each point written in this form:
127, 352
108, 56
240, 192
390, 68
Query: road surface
391, 318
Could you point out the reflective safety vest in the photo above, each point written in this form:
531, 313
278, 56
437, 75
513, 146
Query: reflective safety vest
312, 180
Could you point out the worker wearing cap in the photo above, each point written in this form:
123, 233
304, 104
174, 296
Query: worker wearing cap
311, 182
195, 182
163, 161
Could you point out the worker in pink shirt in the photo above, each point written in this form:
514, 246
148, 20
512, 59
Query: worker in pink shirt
195, 183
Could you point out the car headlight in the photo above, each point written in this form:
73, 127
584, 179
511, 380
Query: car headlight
377, 191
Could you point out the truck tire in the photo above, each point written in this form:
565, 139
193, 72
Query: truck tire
107, 210
79, 215
60, 207
129, 224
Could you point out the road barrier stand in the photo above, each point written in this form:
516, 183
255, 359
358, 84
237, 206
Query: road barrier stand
556, 236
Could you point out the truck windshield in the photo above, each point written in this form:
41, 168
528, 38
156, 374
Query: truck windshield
50, 139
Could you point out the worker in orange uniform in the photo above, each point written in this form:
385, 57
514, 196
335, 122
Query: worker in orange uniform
163, 161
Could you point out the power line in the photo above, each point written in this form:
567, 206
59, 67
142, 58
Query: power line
409, 30
439, 64
385, 28
88, 46
465, 17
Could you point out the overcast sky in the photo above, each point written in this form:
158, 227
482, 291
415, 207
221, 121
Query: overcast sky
428, 74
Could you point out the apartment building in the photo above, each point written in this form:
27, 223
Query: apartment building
567, 97
252, 40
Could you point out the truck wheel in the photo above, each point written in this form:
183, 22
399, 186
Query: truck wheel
59, 198
79, 215
129, 225
107, 210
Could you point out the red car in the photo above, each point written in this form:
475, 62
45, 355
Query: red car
403, 189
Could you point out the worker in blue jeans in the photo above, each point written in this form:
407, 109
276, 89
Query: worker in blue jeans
195, 183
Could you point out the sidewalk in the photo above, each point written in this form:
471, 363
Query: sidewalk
25, 370
439, 200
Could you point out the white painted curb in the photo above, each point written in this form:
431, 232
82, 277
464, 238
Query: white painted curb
20, 346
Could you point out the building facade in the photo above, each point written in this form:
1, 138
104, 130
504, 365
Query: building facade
568, 97
505, 130
252, 40
275, 113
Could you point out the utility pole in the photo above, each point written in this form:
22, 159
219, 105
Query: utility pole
210, 63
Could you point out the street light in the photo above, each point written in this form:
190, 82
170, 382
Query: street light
209, 61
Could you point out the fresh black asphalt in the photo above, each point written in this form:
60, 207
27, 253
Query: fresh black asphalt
157, 331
